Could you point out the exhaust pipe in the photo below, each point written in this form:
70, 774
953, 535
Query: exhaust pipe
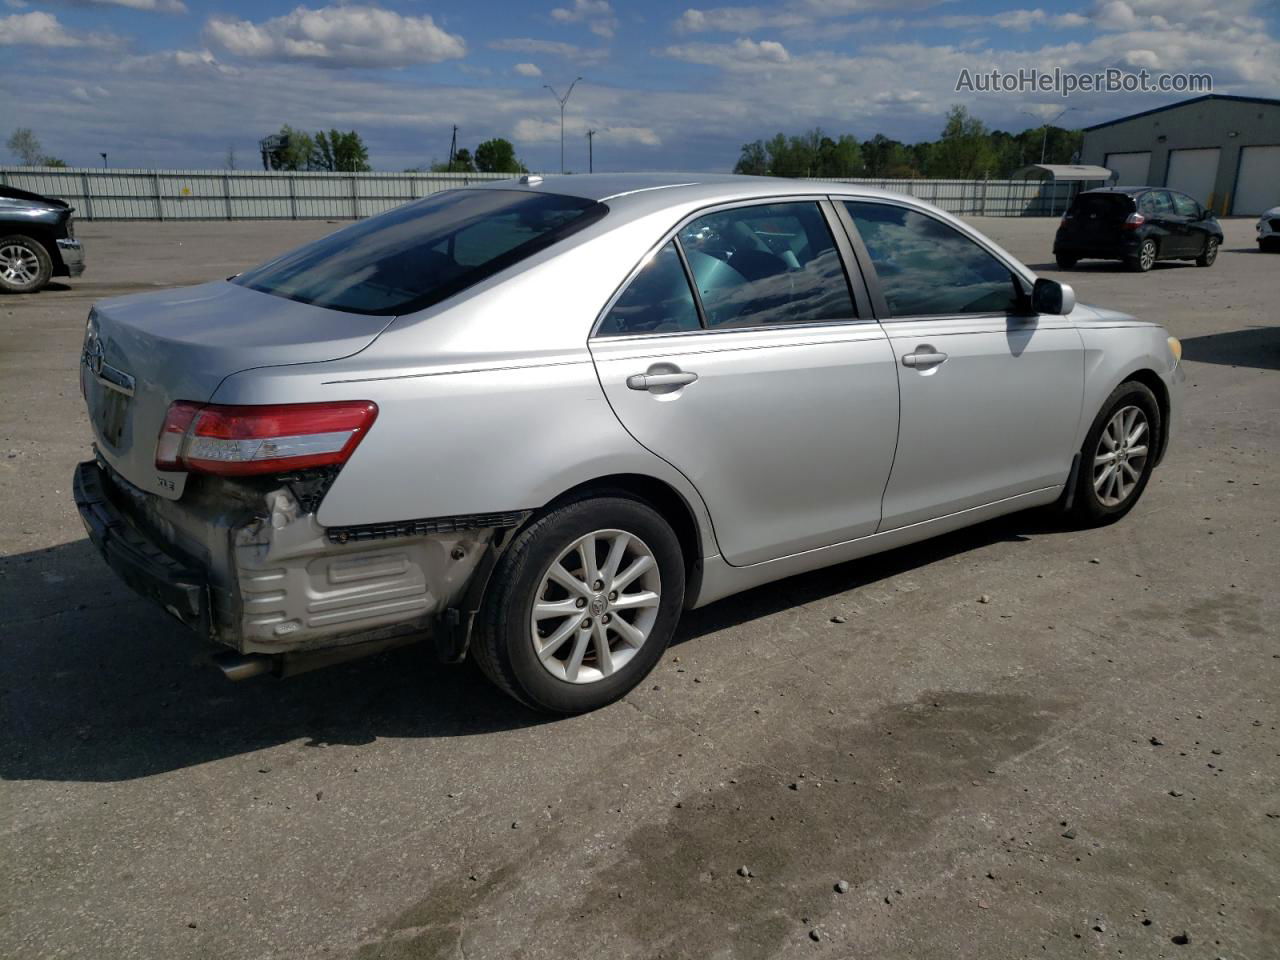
236, 666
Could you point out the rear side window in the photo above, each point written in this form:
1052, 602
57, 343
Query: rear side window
423, 252
1156, 204
767, 264
927, 268
1103, 206
658, 300
1184, 206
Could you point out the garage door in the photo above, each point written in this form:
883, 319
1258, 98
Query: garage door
1258, 184
1130, 169
1193, 172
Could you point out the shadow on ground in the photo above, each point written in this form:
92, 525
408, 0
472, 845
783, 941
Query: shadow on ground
101, 686
1253, 347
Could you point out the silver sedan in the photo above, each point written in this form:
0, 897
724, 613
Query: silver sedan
532, 421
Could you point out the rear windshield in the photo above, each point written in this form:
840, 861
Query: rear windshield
423, 252
1104, 206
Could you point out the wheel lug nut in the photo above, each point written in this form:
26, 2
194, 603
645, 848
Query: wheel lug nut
598, 585
606, 618
613, 596
586, 621
582, 602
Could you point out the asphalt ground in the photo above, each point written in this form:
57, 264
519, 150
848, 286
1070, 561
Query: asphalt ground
1087, 764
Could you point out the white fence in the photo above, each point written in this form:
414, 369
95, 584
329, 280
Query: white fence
99, 194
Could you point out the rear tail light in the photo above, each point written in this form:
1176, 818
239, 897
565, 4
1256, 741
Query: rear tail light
1134, 221
238, 441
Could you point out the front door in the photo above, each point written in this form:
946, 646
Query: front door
990, 398
766, 390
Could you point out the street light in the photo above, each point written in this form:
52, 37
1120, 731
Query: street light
104, 160
1044, 140
562, 101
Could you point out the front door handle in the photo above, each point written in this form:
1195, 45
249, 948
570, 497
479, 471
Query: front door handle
923, 358
647, 381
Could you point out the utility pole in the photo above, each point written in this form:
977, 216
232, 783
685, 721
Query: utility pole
562, 101
453, 147
591, 164
1044, 139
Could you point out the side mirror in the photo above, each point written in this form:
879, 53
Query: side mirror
1050, 296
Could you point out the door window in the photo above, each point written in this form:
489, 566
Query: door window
1157, 204
658, 300
765, 265
1185, 206
927, 268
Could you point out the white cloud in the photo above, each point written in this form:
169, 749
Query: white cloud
568, 51
531, 130
527, 69
1019, 20
39, 29
337, 36
158, 6
743, 52
597, 14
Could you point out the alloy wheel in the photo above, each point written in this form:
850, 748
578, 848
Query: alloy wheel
1121, 456
1147, 256
595, 606
18, 264
1211, 250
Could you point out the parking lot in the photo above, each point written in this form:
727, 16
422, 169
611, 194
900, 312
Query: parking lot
1017, 741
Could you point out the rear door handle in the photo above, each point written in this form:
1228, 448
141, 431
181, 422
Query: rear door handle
647, 381
923, 358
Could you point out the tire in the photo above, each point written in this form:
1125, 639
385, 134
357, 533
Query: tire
1146, 258
1095, 501
1066, 262
1210, 253
25, 264
505, 635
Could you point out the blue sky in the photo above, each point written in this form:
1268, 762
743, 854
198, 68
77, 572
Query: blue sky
175, 83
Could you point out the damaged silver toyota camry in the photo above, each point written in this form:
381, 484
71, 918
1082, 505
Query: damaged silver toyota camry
532, 421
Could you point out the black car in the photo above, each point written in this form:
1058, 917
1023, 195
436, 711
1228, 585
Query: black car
1138, 225
37, 241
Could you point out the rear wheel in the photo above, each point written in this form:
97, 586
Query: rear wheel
1118, 455
25, 265
1066, 262
582, 605
1210, 253
1146, 257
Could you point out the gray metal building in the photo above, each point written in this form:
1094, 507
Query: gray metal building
1222, 150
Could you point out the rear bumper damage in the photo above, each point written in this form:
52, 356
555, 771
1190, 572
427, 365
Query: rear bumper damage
254, 571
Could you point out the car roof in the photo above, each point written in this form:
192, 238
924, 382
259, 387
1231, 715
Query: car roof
640, 192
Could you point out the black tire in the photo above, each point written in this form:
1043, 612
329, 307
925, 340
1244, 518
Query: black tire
1141, 263
502, 643
1066, 262
1210, 253
15, 244
1088, 509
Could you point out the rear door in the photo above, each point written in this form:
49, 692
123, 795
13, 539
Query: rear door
1164, 223
990, 396
771, 389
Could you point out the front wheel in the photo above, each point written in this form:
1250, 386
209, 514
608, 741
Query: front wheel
1118, 455
25, 265
582, 605
1066, 262
1146, 258
1210, 253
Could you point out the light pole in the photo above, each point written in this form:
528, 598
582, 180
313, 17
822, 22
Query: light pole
591, 160
1044, 140
562, 101
104, 160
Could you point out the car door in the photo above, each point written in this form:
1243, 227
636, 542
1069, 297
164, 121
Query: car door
764, 384
990, 397
1191, 216
1164, 223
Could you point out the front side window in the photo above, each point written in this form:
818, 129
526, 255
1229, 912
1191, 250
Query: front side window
1184, 206
658, 300
927, 268
423, 252
767, 264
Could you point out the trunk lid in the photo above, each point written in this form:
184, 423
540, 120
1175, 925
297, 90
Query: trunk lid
1099, 214
143, 352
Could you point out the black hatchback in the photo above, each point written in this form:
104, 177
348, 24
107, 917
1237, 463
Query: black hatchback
1138, 225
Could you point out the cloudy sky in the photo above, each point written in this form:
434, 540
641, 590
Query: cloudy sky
175, 83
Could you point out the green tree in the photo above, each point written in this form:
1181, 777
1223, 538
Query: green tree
462, 162
341, 152
839, 158
498, 156
752, 161
965, 151
24, 145
294, 150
